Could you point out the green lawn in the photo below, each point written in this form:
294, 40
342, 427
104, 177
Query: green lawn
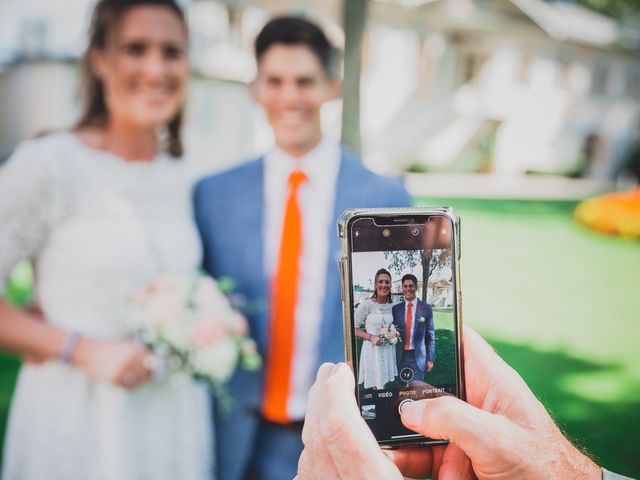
443, 372
18, 292
559, 303
8, 369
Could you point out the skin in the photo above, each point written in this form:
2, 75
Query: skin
144, 71
409, 292
292, 86
383, 286
503, 432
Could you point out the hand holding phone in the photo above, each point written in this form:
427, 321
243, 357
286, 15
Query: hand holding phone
504, 432
402, 320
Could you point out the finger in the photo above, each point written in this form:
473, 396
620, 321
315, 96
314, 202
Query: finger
316, 404
480, 361
480, 434
491, 382
125, 380
315, 463
142, 374
480, 357
412, 462
136, 370
325, 371
438, 453
455, 464
353, 448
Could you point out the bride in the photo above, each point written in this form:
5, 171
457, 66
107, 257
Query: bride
101, 210
377, 365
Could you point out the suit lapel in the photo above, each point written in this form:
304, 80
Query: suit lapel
420, 326
415, 325
345, 197
403, 317
250, 241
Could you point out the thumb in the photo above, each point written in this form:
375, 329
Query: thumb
478, 433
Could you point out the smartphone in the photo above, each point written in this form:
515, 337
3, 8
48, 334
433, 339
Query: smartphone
402, 312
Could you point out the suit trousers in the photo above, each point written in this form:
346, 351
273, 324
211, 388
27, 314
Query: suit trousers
276, 453
408, 360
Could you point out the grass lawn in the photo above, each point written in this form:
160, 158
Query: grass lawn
443, 372
18, 292
8, 369
558, 302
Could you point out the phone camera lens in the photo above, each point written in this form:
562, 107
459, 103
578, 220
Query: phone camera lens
386, 232
415, 232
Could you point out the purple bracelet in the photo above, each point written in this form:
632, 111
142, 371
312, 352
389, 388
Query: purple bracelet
69, 346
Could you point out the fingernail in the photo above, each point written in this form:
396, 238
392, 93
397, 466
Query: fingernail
412, 414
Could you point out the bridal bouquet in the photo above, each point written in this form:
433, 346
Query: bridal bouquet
190, 326
390, 334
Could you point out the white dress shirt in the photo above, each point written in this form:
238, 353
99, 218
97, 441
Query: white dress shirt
414, 302
316, 198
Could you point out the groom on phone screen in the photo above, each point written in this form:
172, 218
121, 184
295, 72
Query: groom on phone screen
413, 319
270, 225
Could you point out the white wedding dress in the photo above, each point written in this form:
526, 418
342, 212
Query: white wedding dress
377, 363
97, 228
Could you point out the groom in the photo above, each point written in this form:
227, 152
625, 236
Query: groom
270, 225
413, 319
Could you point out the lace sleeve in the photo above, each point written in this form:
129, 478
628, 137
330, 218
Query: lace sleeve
361, 312
26, 202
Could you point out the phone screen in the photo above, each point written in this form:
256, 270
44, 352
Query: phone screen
405, 339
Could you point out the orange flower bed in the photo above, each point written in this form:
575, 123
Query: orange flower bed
614, 213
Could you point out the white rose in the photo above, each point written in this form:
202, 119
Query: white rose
208, 296
217, 361
177, 335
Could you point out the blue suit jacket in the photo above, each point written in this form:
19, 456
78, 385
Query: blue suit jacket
229, 211
424, 336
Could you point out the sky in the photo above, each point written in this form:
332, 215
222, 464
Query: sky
365, 265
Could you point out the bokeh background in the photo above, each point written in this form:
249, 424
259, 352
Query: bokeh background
511, 111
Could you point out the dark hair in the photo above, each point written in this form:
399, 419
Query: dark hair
410, 276
106, 16
382, 271
297, 31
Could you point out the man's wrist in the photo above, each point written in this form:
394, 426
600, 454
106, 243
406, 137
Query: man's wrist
580, 466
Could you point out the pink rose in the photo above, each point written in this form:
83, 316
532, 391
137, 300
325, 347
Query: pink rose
206, 331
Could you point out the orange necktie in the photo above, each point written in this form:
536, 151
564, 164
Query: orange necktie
407, 337
284, 295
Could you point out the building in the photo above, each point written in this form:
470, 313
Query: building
440, 293
504, 86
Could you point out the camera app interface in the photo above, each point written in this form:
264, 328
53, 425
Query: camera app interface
403, 296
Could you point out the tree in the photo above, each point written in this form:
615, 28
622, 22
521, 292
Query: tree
354, 18
430, 259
